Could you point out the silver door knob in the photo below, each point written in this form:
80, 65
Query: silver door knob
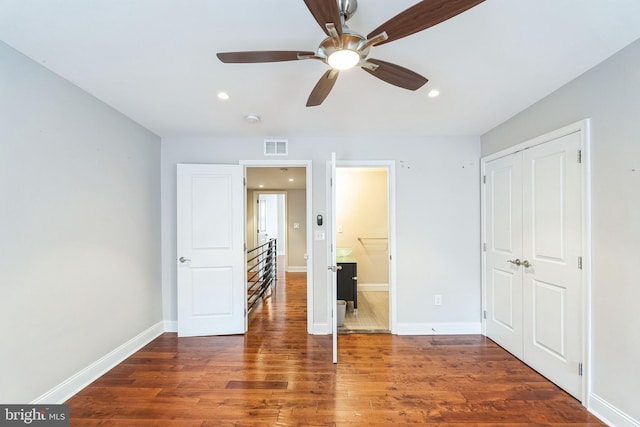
526, 264
515, 261
183, 259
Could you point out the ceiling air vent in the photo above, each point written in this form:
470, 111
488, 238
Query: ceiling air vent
276, 147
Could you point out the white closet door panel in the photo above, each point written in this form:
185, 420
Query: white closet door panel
552, 223
504, 244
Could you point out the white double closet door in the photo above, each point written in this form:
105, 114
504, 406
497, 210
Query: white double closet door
533, 231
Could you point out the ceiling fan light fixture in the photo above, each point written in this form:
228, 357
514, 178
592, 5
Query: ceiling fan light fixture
343, 59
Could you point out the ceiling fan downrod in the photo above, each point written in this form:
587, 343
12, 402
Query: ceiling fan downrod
347, 8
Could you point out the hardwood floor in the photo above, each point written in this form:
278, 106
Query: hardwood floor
277, 374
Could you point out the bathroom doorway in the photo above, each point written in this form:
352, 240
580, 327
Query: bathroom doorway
363, 249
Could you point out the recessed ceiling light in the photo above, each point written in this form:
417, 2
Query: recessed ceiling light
223, 95
291, 179
433, 93
261, 186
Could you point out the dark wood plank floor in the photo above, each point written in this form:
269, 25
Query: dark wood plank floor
277, 374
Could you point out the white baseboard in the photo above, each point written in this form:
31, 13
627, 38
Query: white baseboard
373, 287
170, 326
63, 391
609, 414
297, 269
320, 329
469, 328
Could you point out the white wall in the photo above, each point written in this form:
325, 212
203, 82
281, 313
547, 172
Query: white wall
437, 219
609, 94
296, 237
79, 229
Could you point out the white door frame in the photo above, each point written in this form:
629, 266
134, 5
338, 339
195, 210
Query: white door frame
333, 266
309, 219
390, 165
584, 127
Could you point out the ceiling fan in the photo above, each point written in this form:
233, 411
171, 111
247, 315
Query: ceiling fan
344, 48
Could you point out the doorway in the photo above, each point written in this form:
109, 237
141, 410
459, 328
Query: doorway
270, 219
362, 248
278, 207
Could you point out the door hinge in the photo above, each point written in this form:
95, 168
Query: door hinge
580, 369
484, 179
579, 263
484, 247
244, 181
579, 156
484, 314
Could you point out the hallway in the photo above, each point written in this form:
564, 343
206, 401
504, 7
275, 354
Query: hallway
277, 374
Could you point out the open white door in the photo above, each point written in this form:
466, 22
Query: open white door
210, 242
261, 222
333, 267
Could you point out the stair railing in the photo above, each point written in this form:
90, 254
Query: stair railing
261, 271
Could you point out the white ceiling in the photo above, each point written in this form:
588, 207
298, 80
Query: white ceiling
154, 60
276, 178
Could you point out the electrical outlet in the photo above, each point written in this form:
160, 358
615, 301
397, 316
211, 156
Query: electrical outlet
437, 300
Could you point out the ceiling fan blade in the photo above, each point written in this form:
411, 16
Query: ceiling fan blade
396, 75
421, 16
262, 56
325, 12
322, 88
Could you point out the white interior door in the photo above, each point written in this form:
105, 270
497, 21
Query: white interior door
210, 249
261, 222
533, 231
552, 245
503, 201
333, 267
